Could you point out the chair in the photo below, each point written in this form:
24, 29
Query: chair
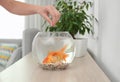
28, 36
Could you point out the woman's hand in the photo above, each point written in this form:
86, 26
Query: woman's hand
49, 13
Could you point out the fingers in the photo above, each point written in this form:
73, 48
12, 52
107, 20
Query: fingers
48, 19
51, 14
54, 14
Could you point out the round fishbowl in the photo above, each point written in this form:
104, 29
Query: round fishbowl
53, 50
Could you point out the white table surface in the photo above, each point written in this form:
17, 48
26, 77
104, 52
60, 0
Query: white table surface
83, 69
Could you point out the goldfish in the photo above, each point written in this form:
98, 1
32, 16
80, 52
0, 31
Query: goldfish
56, 56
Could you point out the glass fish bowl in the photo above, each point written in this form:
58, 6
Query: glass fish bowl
53, 50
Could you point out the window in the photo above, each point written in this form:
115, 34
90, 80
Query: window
11, 25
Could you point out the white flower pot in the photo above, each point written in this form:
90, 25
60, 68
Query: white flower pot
80, 47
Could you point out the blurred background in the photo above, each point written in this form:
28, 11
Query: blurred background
104, 47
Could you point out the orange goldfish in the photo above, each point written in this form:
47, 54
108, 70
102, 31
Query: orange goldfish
56, 56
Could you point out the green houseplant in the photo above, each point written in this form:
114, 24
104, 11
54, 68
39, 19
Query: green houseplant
74, 17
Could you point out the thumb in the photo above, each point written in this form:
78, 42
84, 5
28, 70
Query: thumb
48, 19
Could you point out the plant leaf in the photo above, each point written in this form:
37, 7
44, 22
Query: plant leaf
75, 3
87, 6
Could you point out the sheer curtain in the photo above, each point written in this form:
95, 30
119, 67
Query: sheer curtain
36, 21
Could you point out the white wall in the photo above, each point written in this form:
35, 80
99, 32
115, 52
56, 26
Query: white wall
108, 43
